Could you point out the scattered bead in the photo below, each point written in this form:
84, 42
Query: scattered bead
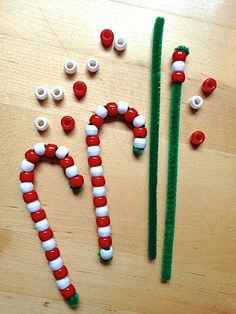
139, 121
112, 109
93, 150
31, 156
57, 93
178, 66
140, 132
26, 165
72, 171
197, 138
208, 86
50, 150
92, 65
120, 43
101, 211
67, 123
130, 115
177, 77
107, 38
94, 161
99, 191
41, 93
196, 102
39, 149
101, 111
41, 124
91, 130
33, 206
70, 66
106, 254
179, 55
62, 152
96, 120
123, 107
79, 89
27, 176
98, 181
140, 143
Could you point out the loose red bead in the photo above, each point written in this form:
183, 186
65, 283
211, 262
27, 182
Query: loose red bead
130, 115
105, 242
30, 196
66, 162
197, 138
103, 221
79, 89
98, 181
52, 254
67, 123
76, 181
31, 156
100, 201
177, 77
140, 132
38, 215
96, 120
68, 292
94, 161
179, 55
26, 176
45, 235
107, 38
92, 140
60, 273
208, 86
112, 109
50, 150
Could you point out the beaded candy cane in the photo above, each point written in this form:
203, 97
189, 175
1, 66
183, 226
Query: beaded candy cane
38, 215
95, 164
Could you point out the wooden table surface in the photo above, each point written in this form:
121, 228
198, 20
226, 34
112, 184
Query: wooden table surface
36, 37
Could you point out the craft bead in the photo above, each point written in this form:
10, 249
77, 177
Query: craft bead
103, 221
196, 102
139, 121
94, 161
41, 93
179, 55
50, 150
26, 165
68, 292
130, 115
101, 211
101, 111
177, 77
57, 93
30, 196
63, 283
79, 89
72, 171
49, 244
104, 242
56, 264
100, 201
140, 132
92, 140
26, 187
66, 162
41, 124
99, 191
106, 255
107, 38
140, 143
104, 231
62, 152
123, 107
38, 215
67, 123
92, 65
98, 181
31, 156
70, 66
39, 149
120, 43
96, 120
76, 181
52, 254
93, 150
91, 130
178, 66
45, 235
112, 109
42, 225
197, 138
26, 176
33, 206
208, 86
96, 171
60, 273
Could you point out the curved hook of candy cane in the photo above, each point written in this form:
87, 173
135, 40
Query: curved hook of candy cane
38, 215
95, 163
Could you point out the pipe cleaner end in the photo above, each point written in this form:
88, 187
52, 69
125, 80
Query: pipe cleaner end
137, 151
186, 49
73, 301
160, 21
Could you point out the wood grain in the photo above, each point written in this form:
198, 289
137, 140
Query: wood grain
36, 37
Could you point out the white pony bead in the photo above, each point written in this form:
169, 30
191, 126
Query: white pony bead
140, 143
106, 254
63, 283
41, 92
56, 263
70, 66
49, 244
93, 150
72, 171
41, 124
196, 102
92, 65
26, 187
178, 66
42, 225
91, 130
101, 111
101, 211
26, 165
104, 231
139, 121
57, 93
62, 152
33, 206
99, 191
96, 171
123, 107
39, 149
120, 43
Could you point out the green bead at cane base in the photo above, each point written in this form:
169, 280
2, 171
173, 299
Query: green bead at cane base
73, 301
138, 151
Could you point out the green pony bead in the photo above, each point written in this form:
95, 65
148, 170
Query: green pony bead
73, 301
137, 151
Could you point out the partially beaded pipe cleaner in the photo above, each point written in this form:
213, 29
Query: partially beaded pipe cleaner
38, 215
95, 164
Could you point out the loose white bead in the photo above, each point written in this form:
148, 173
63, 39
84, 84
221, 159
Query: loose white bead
101, 211
72, 171
93, 150
140, 143
26, 187
26, 165
57, 93
104, 231
123, 107
49, 244
139, 121
91, 130
120, 43
92, 65
99, 191
96, 171
33, 206
63, 283
101, 111
41, 92
61, 152
106, 254
42, 225
39, 149
56, 263
196, 102
70, 66
41, 124
178, 66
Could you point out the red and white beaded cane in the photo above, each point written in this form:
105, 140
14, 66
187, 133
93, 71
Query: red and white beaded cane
38, 215
95, 163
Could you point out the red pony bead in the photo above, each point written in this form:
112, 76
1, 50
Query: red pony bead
31, 156
50, 150
94, 161
66, 162
100, 201
130, 115
107, 38
140, 132
92, 140
105, 242
177, 77
208, 86
112, 109
76, 181
26, 176
179, 55
45, 235
30, 196
103, 221
38, 215
79, 89
96, 120
68, 123
60, 273
52, 254
197, 138
98, 181
68, 292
